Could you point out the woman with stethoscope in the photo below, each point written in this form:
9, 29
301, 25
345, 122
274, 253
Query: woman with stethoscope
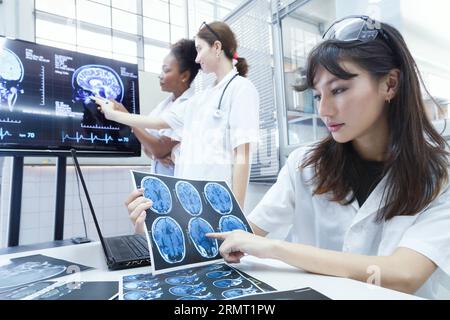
220, 125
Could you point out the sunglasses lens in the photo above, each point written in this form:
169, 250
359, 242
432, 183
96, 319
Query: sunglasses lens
352, 29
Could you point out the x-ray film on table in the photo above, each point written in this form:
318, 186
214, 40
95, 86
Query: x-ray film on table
183, 211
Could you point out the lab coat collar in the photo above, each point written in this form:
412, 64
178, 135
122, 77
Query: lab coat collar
227, 78
372, 204
184, 96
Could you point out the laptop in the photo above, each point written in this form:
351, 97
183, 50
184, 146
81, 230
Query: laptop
121, 252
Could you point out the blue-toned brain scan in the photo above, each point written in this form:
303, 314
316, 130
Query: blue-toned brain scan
169, 239
218, 274
237, 292
133, 285
12, 275
97, 80
177, 280
143, 294
11, 75
142, 277
159, 193
198, 228
230, 223
189, 198
214, 267
218, 197
208, 296
188, 290
227, 283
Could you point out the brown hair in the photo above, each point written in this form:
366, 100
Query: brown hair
222, 32
417, 162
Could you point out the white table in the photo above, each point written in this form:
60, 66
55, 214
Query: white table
275, 273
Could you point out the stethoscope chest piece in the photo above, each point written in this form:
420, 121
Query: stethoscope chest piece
217, 114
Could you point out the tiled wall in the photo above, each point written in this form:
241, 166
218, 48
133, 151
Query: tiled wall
108, 188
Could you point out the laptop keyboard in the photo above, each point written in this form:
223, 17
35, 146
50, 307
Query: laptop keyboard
138, 245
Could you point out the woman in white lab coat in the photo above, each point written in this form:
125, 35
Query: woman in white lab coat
179, 69
371, 201
220, 125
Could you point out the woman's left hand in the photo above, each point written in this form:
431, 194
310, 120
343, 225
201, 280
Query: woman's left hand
238, 243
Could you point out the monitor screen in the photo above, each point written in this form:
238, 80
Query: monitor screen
46, 101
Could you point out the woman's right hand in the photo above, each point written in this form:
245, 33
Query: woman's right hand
137, 205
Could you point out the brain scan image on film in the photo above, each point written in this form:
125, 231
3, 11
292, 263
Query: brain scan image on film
208, 296
177, 280
189, 198
237, 292
13, 275
197, 229
22, 292
227, 283
169, 239
218, 274
218, 197
143, 294
95, 80
188, 290
159, 193
230, 223
11, 76
135, 285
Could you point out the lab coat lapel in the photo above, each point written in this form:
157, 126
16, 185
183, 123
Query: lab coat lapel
372, 203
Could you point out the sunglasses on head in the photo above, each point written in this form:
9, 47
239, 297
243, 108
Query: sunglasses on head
209, 29
355, 28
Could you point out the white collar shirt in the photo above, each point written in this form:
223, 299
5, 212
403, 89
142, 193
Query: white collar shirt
208, 141
316, 221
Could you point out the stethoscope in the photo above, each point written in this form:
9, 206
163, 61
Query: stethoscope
218, 112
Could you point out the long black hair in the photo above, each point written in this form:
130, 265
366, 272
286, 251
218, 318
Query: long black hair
417, 162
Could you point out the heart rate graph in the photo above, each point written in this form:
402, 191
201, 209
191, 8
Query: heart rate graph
92, 138
4, 134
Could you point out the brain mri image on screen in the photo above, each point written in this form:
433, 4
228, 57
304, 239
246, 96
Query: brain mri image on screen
12, 275
230, 223
159, 193
207, 247
189, 198
11, 76
218, 197
95, 80
169, 239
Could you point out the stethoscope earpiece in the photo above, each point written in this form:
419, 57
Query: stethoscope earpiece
218, 114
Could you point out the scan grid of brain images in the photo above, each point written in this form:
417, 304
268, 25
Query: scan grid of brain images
183, 211
217, 281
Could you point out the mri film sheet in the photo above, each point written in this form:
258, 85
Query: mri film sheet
212, 282
21, 272
183, 212
85, 290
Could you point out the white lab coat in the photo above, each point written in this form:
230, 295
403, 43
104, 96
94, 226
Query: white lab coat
165, 106
208, 142
318, 222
